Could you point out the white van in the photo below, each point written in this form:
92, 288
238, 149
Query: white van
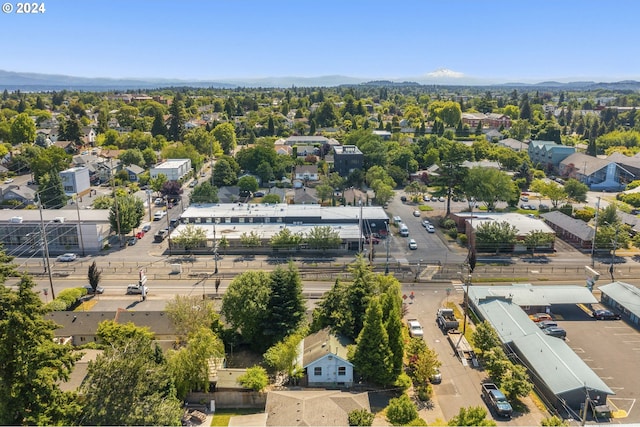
404, 230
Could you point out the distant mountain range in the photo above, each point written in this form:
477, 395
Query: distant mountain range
48, 82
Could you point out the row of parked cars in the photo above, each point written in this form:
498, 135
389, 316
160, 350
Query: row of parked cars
549, 326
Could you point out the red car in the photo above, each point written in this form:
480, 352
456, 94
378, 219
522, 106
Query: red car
140, 234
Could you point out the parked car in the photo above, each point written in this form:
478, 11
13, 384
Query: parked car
146, 228
193, 183
555, 331
159, 201
524, 198
159, 215
258, 194
544, 324
412, 244
403, 198
139, 234
426, 223
90, 290
430, 228
605, 315
8, 180
441, 199
416, 213
415, 328
527, 207
540, 317
436, 378
137, 289
67, 257
132, 241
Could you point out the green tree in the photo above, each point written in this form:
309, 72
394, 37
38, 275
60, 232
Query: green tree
551, 190
286, 305
516, 382
484, 337
384, 193
225, 134
223, 174
32, 365
451, 174
93, 275
177, 120
48, 160
285, 239
254, 379
23, 130
401, 411
51, 194
360, 417
391, 303
248, 183
250, 240
132, 156
244, 305
126, 213
576, 190
281, 357
189, 365
158, 182
495, 236
324, 192
204, 193
271, 198
323, 237
537, 238
128, 385
190, 237
471, 416
489, 186
554, 421
190, 313
372, 357
424, 365
158, 127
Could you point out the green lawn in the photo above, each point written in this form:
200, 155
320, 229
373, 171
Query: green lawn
222, 416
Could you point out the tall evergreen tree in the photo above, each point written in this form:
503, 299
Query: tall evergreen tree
176, 124
31, 364
392, 313
373, 357
158, 127
286, 306
52, 194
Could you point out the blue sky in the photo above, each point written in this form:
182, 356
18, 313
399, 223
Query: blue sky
515, 40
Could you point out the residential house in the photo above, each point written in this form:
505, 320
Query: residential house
283, 149
473, 119
18, 195
481, 164
347, 158
306, 150
75, 180
88, 135
306, 173
513, 144
311, 408
548, 154
323, 356
134, 172
173, 169
304, 140
497, 121
68, 146
571, 230
305, 196
493, 135
599, 174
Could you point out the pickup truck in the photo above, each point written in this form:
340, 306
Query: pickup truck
446, 319
415, 328
496, 400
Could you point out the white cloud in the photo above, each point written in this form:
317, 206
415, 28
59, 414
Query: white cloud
444, 72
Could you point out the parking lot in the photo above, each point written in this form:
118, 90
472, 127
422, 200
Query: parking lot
611, 348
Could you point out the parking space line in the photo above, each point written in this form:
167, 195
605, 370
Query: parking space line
578, 349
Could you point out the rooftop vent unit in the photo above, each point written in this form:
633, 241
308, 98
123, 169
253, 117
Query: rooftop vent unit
15, 220
59, 219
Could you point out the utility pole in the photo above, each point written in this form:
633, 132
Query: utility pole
45, 245
168, 223
115, 201
595, 233
79, 225
613, 252
360, 225
386, 267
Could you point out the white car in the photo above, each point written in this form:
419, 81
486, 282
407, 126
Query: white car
426, 223
67, 257
430, 228
137, 289
8, 180
415, 328
159, 215
412, 244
